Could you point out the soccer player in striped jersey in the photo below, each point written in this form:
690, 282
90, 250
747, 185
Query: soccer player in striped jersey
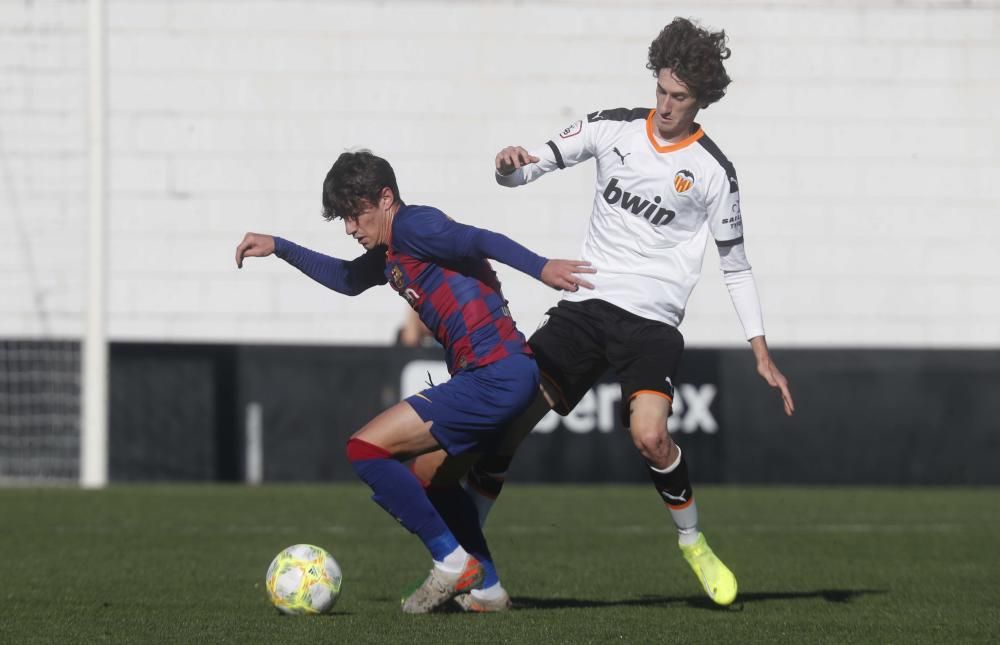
663, 190
440, 267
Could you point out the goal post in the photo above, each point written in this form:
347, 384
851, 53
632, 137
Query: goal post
94, 359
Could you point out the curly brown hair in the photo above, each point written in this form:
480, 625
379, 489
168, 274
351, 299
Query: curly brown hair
695, 56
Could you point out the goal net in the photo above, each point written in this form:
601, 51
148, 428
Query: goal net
39, 411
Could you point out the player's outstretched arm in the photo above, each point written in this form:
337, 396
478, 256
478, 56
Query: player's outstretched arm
517, 165
254, 245
349, 278
770, 373
568, 275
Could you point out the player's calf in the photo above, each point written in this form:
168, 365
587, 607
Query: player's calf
673, 484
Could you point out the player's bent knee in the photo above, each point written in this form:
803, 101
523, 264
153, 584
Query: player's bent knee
653, 441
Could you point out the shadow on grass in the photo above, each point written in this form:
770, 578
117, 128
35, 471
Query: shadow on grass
699, 602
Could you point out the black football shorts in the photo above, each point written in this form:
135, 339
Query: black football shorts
579, 341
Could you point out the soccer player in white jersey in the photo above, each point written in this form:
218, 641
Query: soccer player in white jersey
663, 191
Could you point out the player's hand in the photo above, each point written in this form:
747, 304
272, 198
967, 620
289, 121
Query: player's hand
769, 371
566, 274
513, 157
254, 245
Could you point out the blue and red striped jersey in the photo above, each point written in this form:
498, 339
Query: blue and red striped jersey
440, 267
434, 265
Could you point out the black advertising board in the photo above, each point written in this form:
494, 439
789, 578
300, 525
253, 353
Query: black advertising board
864, 416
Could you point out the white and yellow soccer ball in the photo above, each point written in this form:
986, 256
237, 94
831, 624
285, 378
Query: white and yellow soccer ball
303, 579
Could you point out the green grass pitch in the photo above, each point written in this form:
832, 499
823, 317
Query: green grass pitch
584, 564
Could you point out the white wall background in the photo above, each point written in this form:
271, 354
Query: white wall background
865, 135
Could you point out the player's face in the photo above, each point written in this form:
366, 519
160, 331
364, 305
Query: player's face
365, 227
370, 226
676, 107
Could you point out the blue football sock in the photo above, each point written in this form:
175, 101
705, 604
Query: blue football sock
458, 511
399, 492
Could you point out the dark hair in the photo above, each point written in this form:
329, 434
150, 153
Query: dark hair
695, 56
355, 182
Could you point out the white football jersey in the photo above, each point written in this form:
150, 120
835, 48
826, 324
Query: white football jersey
654, 209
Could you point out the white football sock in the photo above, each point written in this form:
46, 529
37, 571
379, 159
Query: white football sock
687, 537
454, 562
493, 592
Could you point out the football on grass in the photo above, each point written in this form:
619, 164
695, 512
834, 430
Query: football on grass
303, 579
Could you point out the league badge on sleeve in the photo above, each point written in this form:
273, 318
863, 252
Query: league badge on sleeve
571, 130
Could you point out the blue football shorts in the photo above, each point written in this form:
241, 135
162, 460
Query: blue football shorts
471, 411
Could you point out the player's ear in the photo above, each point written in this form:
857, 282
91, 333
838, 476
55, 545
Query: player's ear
386, 197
